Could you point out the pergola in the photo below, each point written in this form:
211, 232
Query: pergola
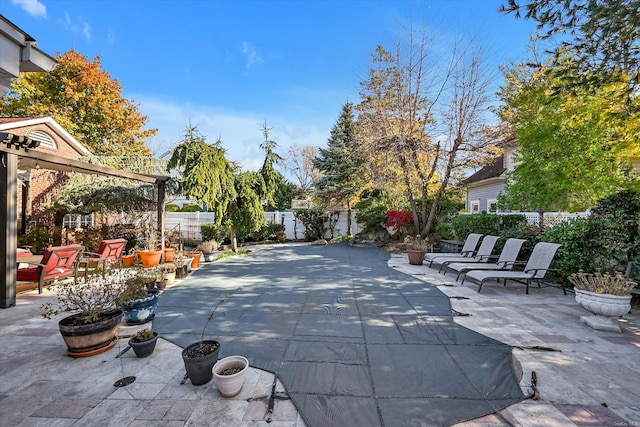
17, 151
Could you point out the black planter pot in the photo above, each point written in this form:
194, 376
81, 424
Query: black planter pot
181, 272
144, 348
200, 369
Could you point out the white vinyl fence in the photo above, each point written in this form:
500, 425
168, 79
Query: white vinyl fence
188, 224
549, 219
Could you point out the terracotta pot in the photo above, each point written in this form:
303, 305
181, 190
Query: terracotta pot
128, 260
169, 254
90, 338
196, 259
150, 258
415, 257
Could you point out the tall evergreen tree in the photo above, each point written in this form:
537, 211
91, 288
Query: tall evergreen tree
340, 163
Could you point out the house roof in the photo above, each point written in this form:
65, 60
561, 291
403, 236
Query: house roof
492, 170
8, 123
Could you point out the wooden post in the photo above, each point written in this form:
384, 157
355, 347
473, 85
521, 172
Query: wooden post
8, 239
161, 197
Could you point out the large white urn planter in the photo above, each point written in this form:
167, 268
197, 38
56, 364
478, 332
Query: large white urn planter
604, 307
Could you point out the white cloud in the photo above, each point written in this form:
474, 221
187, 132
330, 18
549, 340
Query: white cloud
111, 36
241, 133
32, 7
76, 26
251, 54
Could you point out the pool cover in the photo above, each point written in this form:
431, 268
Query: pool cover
355, 342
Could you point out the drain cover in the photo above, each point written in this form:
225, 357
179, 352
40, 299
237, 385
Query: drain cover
123, 382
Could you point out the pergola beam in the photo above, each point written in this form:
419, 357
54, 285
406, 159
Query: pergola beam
22, 155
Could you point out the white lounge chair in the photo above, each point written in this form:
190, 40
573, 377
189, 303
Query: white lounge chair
468, 249
535, 269
483, 255
506, 261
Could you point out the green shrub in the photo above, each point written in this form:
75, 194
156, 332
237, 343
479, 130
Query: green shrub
214, 232
372, 210
573, 255
191, 208
266, 232
314, 221
445, 231
464, 225
171, 207
614, 231
38, 237
531, 233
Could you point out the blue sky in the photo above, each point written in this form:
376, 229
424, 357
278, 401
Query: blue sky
226, 66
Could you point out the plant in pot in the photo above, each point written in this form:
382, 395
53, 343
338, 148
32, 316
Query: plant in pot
139, 303
96, 312
196, 255
200, 356
168, 271
144, 342
181, 266
605, 295
129, 259
209, 249
149, 254
229, 374
417, 248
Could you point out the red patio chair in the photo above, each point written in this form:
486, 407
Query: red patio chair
109, 252
58, 262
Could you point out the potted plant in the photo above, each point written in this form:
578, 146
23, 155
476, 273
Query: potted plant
96, 312
149, 254
168, 271
144, 342
181, 266
209, 249
129, 259
417, 249
195, 264
229, 374
139, 303
604, 295
200, 356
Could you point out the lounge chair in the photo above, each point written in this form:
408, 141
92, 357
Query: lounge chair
535, 269
483, 255
58, 262
468, 249
506, 261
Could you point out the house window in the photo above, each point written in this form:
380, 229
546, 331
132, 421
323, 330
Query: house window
45, 139
492, 205
474, 206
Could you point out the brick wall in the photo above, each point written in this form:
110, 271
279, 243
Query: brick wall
45, 184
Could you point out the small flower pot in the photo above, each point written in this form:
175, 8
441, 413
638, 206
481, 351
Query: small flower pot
229, 374
143, 348
181, 272
128, 260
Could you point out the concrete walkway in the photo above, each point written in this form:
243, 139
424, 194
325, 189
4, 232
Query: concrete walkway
594, 380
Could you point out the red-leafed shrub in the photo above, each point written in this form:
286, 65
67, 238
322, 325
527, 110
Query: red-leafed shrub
398, 219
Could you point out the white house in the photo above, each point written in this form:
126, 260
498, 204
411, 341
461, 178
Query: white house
484, 186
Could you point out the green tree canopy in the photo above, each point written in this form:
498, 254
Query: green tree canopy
576, 146
86, 101
341, 164
206, 175
602, 35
